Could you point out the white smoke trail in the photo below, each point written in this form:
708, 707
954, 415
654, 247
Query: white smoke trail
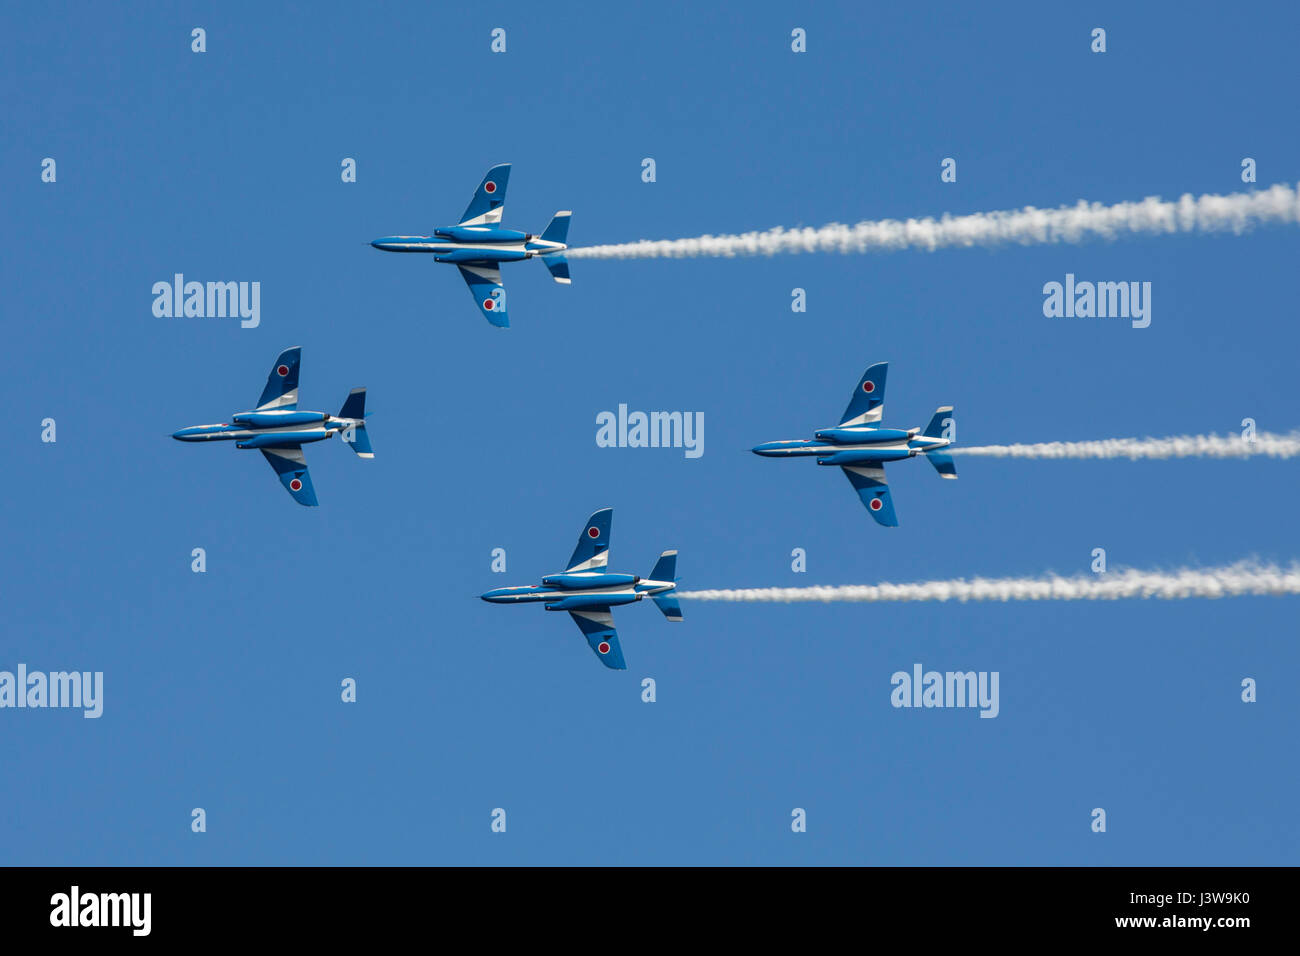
1236, 580
1181, 446
1235, 213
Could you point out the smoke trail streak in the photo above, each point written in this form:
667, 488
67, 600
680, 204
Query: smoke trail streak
1235, 580
1235, 213
1181, 446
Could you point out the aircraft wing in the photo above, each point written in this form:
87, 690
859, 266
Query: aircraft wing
869, 482
489, 200
597, 626
282, 384
868, 402
290, 464
593, 543
489, 294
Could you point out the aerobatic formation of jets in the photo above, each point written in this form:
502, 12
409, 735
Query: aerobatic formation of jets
477, 245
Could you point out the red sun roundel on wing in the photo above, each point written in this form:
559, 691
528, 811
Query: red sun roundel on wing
295, 485
876, 504
489, 187
593, 532
282, 370
603, 647
489, 305
868, 387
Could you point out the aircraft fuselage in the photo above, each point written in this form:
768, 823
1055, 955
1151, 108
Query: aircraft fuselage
573, 591
473, 244
270, 429
855, 445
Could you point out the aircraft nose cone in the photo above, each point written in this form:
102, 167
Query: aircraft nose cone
764, 449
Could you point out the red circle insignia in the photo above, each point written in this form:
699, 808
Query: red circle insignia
295, 485
282, 370
489, 187
593, 532
876, 504
868, 387
603, 647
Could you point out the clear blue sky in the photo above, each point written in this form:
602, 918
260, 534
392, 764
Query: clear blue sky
222, 689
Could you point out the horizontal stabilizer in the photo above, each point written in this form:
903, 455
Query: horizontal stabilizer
558, 228
665, 568
943, 464
941, 421
558, 266
668, 604
358, 439
355, 406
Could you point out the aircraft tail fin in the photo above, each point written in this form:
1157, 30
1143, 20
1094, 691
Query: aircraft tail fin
356, 436
558, 229
943, 464
355, 406
559, 267
668, 604
942, 418
665, 569
359, 440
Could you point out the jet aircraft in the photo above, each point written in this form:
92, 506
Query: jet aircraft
587, 590
278, 430
478, 245
861, 446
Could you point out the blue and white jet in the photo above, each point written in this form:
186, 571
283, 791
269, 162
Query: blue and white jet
279, 430
861, 446
478, 245
587, 590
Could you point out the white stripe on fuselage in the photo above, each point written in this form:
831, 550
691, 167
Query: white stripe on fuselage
867, 446
423, 244
655, 587
333, 427
454, 246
